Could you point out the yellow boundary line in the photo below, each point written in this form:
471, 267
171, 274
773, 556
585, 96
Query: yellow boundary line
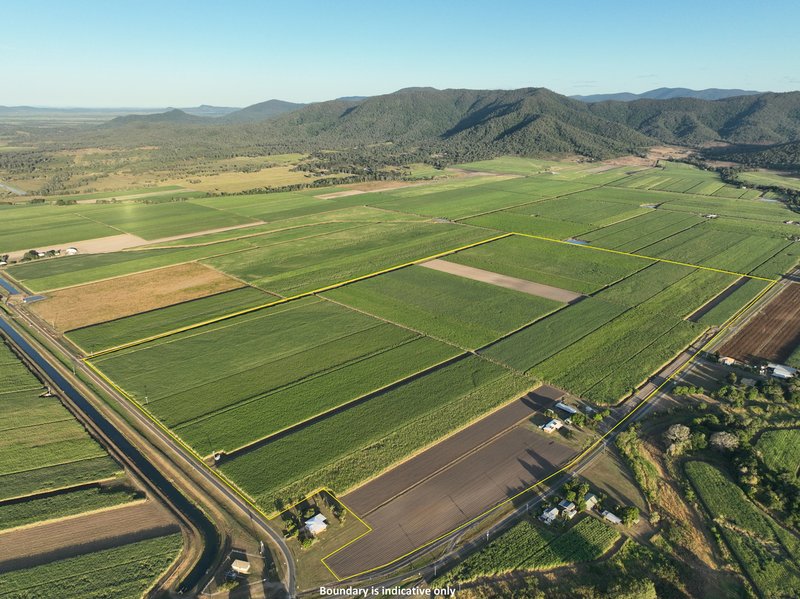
244, 496
566, 467
292, 297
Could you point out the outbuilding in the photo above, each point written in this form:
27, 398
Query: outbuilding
565, 408
552, 426
613, 518
316, 525
241, 566
71, 251
590, 499
781, 371
549, 515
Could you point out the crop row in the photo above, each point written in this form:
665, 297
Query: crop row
350, 446
574, 208
123, 572
61, 505
312, 263
146, 324
459, 310
780, 450
271, 412
757, 541
562, 265
635, 233
532, 225
528, 347
528, 546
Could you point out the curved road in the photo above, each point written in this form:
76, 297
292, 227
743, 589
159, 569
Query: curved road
178, 453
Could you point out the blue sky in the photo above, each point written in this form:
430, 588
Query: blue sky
235, 53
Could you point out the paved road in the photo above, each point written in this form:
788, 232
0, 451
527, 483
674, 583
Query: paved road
130, 454
178, 455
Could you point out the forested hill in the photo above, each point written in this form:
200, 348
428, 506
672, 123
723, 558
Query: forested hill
468, 123
765, 118
781, 156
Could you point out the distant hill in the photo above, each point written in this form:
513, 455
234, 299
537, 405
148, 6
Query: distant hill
768, 118
171, 116
262, 111
463, 124
668, 93
210, 111
530, 120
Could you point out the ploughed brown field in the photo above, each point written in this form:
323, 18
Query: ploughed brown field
771, 334
451, 483
60, 539
84, 305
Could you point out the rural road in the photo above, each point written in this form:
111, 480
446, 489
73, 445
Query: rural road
178, 455
132, 455
14, 190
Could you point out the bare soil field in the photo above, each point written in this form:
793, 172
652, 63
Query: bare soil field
448, 485
477, 274
99, 245
83, 305
36, 545
771, 334
375, 493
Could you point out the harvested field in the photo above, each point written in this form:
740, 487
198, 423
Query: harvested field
770, 335
477, 274
85, 305
377, 492
27, 547
459, 492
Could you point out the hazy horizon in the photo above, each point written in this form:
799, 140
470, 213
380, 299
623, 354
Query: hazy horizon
153, 55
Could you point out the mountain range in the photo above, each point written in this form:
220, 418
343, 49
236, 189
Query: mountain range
459, 124
668, 93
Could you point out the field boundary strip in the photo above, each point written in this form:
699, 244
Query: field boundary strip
600, 440
293, 297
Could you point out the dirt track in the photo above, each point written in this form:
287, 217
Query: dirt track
772, 334
27, 547
477, 274
456, 485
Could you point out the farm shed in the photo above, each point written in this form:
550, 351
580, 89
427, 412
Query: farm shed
781, 371
727, 361
613, 518
591, 500
240, 566
316, 525
565, 408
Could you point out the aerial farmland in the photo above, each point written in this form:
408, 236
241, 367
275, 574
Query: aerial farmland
313, 341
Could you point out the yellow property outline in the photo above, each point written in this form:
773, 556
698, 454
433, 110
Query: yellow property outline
244, 496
